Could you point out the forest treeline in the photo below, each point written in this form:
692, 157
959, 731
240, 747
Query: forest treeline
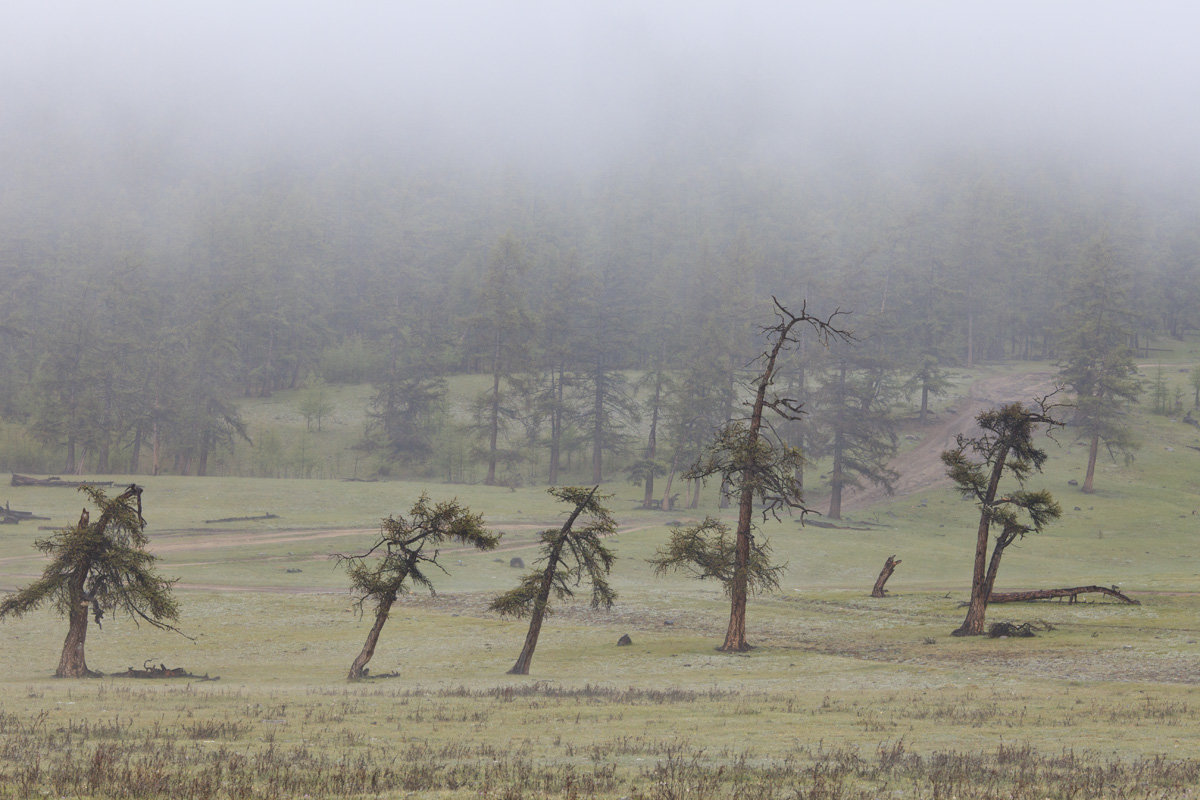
141, 299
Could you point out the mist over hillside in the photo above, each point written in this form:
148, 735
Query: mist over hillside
212, 201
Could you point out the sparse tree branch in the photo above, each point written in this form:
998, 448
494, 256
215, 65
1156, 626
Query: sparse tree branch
569, 557
396, 559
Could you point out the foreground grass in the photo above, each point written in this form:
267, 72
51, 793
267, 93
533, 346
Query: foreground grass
843, 697
540, 740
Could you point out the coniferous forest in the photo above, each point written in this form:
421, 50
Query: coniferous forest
594, 235
141, 307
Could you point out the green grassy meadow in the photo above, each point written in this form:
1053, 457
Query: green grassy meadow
844, 696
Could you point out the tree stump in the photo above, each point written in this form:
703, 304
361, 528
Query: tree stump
889, 567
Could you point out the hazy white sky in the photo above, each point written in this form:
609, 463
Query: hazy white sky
530, 78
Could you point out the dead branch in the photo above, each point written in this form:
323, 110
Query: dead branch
162, 671
1050, 594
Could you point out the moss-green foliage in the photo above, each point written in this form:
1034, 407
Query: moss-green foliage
707, 550
407, 549
103, 563
570, 555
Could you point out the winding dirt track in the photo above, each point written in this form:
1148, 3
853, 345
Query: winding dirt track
920, 467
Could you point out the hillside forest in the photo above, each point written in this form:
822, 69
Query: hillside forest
596, 325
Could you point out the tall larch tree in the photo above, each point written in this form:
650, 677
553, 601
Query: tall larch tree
852, 408
1095, 358
500, 332
751, 461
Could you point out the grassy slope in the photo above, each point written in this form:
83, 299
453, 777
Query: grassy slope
832, 667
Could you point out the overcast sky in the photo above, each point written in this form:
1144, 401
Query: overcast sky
520, 79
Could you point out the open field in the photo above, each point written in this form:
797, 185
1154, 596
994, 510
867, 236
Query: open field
843, 697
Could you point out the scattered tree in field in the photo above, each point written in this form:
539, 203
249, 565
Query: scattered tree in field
751, 461
402, 555
1160, 391
930, 380
315, 403
1004, 448
405, 413
699, 406
643, 472
1096, 361
1194, 380
606, 406
708, 550
501, 329
855, 427
570, 556
98, 567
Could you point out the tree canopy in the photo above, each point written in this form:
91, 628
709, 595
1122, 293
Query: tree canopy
403, 555
1005, 448
100, 566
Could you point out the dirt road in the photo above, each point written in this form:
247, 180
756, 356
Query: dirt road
920, 467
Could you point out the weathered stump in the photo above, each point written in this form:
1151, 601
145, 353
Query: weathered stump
889, 567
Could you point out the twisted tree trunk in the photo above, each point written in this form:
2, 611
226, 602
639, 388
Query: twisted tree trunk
72, 663
980, 589
359, 668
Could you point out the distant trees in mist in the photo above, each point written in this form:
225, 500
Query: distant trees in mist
133, 323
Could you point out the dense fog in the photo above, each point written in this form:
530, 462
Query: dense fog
537, 85
248, 195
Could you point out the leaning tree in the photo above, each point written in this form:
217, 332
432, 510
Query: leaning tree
753, 463
98, 567
570, 555
1004, 448
403, 552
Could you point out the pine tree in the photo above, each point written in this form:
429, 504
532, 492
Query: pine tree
570, 556
402, 555
98, 567
1095, 361
978, 465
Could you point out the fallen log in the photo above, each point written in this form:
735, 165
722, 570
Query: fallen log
889, 567
1050, 594
820, 523
10, 516
54, 481
241, 519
